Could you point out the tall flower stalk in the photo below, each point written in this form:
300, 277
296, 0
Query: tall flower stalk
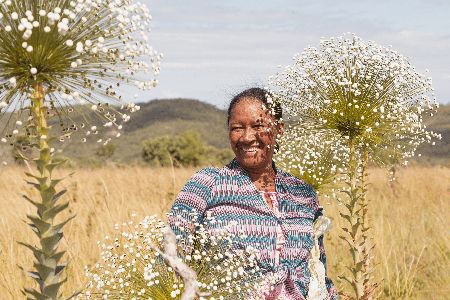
356, 228
62, 63
48, 269
372, 100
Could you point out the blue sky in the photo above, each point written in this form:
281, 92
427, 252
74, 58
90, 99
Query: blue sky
214, 49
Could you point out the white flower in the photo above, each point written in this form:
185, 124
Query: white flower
79, 47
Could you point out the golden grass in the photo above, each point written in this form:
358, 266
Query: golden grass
410, 224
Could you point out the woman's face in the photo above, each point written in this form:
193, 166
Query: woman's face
252, 133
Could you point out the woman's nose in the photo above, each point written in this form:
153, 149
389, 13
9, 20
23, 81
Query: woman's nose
249, 135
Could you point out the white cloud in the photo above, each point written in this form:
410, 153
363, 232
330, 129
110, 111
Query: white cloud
214, 48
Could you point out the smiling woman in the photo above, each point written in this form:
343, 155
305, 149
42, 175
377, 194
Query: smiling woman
253, 130
265, 208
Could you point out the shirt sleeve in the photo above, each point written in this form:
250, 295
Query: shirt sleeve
323, 258
188, 209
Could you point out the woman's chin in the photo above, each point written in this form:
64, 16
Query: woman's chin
252, 162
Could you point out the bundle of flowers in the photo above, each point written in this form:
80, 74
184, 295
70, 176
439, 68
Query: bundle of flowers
146, 261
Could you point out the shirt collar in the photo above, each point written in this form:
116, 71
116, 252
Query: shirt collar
234, 165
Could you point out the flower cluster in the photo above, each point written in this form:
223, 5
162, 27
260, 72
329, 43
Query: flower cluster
144, 261
79, 53
363, 93
315, 156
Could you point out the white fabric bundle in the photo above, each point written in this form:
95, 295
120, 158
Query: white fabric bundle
317, 288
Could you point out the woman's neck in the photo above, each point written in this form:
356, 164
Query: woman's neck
264, 179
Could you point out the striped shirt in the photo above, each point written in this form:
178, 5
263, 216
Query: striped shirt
230, 197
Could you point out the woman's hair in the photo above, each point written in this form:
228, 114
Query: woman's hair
259, 94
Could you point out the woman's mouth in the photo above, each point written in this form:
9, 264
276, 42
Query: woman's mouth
249, 149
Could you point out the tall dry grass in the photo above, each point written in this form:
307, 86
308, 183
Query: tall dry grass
411, 224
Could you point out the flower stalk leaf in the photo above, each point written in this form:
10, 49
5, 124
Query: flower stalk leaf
48, 271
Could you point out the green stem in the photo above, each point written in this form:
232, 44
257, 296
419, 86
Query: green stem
356, 228
367, 243
48, 271
355, 223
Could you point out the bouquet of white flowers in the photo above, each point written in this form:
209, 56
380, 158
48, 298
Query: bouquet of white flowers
144, 261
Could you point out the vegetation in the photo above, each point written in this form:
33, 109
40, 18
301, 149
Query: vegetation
186, 149
106, 151
174, 116
409, 224
57, 56
370, 102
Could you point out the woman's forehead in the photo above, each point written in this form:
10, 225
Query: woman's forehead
250, 107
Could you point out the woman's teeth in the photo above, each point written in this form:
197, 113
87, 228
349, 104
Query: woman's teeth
250, 149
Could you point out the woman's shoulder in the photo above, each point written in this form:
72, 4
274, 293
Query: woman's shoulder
290, 178
216, 171
209, 175
205, 175
297, 185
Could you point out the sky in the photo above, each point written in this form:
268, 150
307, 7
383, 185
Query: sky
215, 49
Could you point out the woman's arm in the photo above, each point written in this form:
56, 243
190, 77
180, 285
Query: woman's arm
188, 208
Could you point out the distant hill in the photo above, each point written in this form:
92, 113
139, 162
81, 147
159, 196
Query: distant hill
439, 123
174, 116
158, 118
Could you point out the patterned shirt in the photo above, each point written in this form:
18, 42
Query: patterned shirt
229, 196
272, 197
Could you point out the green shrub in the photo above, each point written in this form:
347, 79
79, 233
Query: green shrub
106, 151
187, 149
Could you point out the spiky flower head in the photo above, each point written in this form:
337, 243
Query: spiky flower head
142, 261
316, 156
80, 52
363, 92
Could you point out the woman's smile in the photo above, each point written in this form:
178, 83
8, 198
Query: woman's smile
249, 149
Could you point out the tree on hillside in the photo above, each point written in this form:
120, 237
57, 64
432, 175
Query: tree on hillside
187, 149
106, 151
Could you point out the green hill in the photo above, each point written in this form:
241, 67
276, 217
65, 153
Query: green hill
174, 116
158, 118
439, 123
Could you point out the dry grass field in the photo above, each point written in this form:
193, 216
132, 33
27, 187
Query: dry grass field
411, 223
